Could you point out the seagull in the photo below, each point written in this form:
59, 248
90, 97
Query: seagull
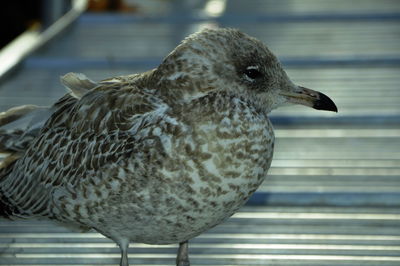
157, 157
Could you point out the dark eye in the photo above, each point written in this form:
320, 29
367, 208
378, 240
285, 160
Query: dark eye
252, 72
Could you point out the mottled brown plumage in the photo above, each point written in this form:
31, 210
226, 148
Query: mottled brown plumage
158, 157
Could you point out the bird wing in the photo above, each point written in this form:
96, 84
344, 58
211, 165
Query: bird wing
83, 142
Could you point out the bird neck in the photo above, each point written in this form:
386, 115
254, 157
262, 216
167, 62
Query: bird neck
216, 104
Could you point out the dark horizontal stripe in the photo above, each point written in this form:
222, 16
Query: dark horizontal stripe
343, 199
75, 63
336, 120
147, 62
348, 61
232, 18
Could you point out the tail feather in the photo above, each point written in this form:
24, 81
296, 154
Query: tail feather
19, 125
15, 113
5, 210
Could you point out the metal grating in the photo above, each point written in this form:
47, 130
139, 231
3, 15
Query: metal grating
254, 236
333, 193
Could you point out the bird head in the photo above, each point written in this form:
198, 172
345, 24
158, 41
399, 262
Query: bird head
229, 60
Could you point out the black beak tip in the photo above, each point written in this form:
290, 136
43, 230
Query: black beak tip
325, 103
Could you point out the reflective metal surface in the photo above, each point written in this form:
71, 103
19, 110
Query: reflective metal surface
333, 193
255, 236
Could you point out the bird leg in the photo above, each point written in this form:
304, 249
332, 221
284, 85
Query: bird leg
183, 254
123, 245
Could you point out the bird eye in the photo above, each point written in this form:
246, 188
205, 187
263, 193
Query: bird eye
252, 72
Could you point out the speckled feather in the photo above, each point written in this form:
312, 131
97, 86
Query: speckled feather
157, 157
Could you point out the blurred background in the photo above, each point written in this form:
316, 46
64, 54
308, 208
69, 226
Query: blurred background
333, 193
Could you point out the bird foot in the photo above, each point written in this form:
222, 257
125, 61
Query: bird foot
183, 255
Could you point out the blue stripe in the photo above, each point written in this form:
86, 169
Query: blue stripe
335, 120
76, 63
62, 62
325, 199
359, 60
179, 18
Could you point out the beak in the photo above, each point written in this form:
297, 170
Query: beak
311, 98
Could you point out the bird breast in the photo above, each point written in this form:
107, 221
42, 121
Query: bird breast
208, 172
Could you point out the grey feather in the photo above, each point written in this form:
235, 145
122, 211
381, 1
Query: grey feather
19, 125
77, 83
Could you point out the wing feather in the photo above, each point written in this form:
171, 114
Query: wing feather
82, 141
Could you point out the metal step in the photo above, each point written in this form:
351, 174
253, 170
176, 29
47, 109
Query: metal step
254, 236
333, 192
